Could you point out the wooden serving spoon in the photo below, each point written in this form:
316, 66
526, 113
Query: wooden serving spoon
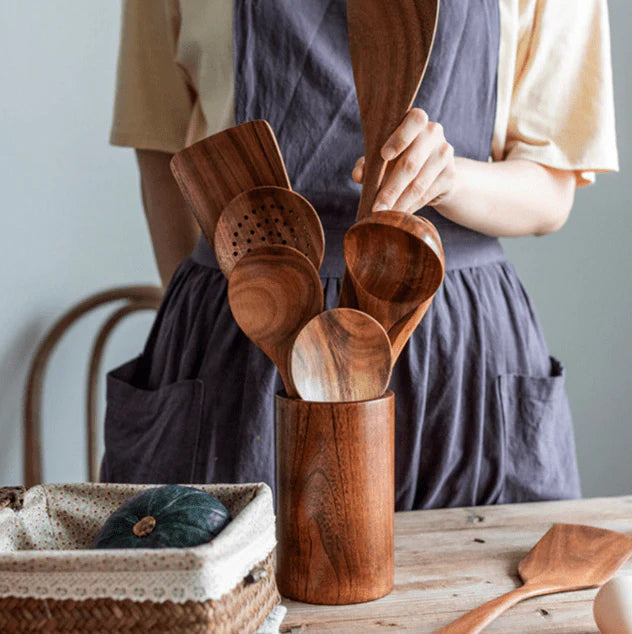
273, 292
400, 332
568, 557
395, 264
341, 355
264, 216
211, 172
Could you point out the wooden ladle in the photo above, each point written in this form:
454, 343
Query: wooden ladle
273, 292
568, 557
211, 172
341, 355
400, 332
264, 216
395, 264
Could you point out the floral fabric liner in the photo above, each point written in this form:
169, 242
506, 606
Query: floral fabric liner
44, 548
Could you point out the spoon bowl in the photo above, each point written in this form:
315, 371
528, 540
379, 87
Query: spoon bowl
341, 355
273, 292
396, 262
265, 216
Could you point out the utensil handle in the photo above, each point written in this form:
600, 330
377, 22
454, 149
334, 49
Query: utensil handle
479, 618
374, 168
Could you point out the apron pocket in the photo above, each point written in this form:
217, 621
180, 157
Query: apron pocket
539, 447
151, 436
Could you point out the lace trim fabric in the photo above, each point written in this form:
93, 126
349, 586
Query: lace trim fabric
44, 548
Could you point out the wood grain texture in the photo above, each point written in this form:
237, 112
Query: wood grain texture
449, 561
341, 355
273, 292
335, 488
390, 43
266, 216
568, 557
211, 172
395, 264
400, 332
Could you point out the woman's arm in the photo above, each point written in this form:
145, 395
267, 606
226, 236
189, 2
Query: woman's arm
173, 228
505, 198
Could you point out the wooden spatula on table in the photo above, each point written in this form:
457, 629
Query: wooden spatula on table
568, 557
390, 44
211, 172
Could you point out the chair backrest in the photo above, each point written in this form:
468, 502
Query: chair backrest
133, 298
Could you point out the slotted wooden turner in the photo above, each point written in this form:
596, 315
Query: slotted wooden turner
211, 172
568, 557
265, 216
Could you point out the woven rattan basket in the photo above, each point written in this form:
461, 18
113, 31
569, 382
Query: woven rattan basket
50, 581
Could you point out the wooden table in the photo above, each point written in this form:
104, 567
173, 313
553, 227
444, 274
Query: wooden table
451, 560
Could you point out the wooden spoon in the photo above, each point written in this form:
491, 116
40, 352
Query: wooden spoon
568, 557
390, 45
263, 216
395, 264
273, 292
211, 172
401, 331
341, 355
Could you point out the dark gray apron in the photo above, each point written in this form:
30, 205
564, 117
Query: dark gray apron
482, 415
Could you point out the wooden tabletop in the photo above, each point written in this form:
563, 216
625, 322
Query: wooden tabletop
449, 561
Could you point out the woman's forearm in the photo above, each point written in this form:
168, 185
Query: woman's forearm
173, 228
508, 198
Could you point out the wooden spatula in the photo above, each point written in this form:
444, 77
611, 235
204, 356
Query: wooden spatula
568, 557
390, 45
265, 216
211, 172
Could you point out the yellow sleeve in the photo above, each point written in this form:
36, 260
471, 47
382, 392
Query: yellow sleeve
153, 101
561, 112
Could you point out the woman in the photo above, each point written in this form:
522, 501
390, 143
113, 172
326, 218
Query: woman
482, 415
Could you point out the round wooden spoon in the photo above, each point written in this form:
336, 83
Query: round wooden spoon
265, 216
395, 264
273, 292
341, 355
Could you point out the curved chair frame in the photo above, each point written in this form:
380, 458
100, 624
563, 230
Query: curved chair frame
136, 298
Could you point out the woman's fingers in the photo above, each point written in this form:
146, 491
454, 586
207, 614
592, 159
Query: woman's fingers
358, 170
407, 131
433, 178
406, 169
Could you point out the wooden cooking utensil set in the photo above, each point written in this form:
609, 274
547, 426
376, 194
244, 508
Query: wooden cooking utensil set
335, 426
269, 244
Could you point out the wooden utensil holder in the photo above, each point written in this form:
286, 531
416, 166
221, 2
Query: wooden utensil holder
335, 499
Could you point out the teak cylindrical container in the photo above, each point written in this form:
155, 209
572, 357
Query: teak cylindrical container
335, 499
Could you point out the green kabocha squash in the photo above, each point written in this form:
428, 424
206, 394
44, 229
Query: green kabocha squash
170, 516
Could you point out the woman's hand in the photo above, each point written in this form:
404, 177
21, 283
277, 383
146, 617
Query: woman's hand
421, 169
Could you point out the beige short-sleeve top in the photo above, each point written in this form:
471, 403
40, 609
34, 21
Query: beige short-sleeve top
554, 87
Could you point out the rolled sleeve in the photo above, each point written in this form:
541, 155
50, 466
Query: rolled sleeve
153, 101
561, 112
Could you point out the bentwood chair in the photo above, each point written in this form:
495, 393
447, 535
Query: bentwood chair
131, 299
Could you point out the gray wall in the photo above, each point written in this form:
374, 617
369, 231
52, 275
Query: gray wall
71, 224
